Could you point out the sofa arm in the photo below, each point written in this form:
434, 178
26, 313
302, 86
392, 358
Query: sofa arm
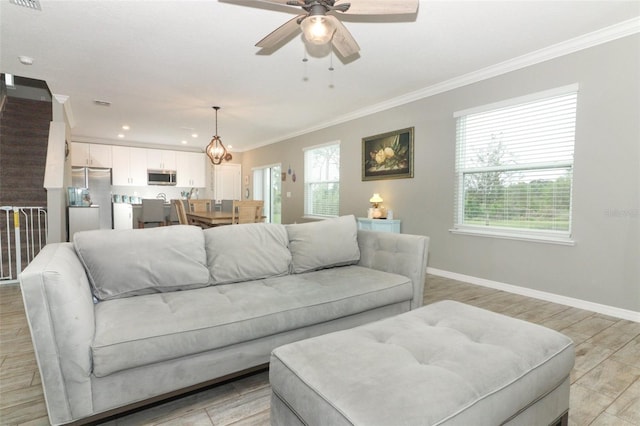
60, 312
401, 254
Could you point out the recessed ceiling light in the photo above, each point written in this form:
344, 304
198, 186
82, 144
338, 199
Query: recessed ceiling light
184, 142
121, 135
229, 147
125, 127
194, 135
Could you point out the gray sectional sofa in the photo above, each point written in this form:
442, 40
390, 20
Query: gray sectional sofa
122, 318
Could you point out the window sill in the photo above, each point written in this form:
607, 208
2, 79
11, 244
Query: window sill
515, 235
317, 217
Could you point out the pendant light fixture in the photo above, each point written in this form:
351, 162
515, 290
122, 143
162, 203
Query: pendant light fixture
216, 150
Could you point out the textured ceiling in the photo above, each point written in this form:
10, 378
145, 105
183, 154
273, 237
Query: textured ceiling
163, 64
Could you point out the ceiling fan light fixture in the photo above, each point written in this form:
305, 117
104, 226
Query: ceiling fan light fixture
216, 150
317, 29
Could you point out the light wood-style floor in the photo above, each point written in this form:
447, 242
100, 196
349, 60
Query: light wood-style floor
605, 386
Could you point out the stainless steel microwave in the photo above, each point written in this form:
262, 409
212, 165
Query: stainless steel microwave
161, 177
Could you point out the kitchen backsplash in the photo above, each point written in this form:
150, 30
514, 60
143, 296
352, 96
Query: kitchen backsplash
170, 192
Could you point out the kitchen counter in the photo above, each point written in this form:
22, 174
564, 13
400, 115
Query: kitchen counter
139, 206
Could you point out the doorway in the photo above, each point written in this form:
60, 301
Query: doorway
267, 186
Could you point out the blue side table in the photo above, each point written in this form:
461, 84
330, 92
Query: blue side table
382, 225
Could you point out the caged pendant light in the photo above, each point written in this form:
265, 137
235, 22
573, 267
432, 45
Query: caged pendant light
216, 151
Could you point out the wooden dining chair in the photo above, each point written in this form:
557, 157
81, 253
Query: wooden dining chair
199, 206
178, 205
247, 211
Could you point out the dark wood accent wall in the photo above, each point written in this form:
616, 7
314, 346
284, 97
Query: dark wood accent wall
24, 136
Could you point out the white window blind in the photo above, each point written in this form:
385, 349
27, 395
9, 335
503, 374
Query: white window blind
514, 165
322, 180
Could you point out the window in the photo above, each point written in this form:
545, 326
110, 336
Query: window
322, 180
514, 165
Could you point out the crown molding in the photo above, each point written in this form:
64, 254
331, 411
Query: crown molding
63, 100
134, 144
595, 38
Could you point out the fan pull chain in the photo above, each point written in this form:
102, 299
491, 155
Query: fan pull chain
305, 61
331, 69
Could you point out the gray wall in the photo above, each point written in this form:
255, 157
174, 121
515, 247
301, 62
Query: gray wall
604, 264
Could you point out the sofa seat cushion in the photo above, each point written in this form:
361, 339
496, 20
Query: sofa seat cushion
131, 332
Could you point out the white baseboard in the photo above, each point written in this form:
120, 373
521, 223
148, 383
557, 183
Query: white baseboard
542, 295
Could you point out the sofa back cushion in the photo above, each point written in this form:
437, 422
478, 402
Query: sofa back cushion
323, 244
133, 262
245, 252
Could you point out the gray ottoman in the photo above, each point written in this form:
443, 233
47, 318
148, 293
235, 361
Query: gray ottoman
444, 364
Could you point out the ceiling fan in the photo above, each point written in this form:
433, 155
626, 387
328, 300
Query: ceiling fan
320, 25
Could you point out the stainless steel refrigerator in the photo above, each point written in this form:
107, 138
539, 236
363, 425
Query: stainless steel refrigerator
98, 181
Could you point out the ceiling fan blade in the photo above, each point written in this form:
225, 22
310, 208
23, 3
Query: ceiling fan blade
276, 1
381, 7
281, 33
342, 40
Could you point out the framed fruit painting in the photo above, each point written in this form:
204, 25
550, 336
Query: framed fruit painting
388, 155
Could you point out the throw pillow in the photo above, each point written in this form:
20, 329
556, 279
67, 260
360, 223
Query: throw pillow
323, 244
133, 262
246, 252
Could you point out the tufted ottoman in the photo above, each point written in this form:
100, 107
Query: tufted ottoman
444, 364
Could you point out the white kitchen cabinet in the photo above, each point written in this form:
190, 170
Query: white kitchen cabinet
90, 155
227, 182
122, 216
129, 166
79, 154
190, 169
120, 170
161, 159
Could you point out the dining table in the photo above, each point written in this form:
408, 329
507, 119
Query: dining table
208, 219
